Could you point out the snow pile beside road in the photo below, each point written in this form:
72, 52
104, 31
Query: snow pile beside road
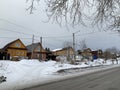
26, 73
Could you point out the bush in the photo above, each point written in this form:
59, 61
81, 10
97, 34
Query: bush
2, 79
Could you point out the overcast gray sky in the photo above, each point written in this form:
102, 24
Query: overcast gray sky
16, 22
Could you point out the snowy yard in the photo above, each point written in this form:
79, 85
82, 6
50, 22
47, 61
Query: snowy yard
27, 73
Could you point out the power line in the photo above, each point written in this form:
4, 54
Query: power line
36, 35
49, 44
58, 36
15, 24
14, 31
90, 33
14, 37
33, 30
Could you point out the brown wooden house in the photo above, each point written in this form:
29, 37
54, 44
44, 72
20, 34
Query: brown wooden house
64, 51
87, 52
16, 48
94, 54
36, 51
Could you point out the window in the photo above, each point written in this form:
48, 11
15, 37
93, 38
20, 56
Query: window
18, 53
38, 49
17, 44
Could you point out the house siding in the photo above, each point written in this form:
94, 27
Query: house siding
38, 52
64, 52
16, 48
16, 52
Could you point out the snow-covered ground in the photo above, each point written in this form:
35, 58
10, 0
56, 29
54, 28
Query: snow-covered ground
27, 73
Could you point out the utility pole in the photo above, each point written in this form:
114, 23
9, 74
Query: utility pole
32, 47
74, 55
41, 40
68, 51
40, 48
74, 46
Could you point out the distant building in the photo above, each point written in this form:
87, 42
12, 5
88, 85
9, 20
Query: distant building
36, 51
97, 54
88, 53
67, 51
15, 49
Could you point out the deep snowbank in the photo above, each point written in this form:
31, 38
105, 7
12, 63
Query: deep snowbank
26, 73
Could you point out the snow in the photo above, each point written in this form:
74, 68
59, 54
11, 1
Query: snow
27, 73
57, 49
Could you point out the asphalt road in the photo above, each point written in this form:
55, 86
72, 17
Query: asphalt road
102, 80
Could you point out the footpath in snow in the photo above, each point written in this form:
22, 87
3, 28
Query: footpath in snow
28, 73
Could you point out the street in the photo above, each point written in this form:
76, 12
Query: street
102, 80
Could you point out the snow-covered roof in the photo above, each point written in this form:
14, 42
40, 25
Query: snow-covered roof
61, 49
57, 49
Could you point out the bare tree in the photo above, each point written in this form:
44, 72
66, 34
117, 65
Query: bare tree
68, 45
111, 53
113, 50
83, 45
31, 6
76, 11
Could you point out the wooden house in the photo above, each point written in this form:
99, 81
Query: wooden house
36, 51
97, 54
88, 53
16, 48
64, 51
